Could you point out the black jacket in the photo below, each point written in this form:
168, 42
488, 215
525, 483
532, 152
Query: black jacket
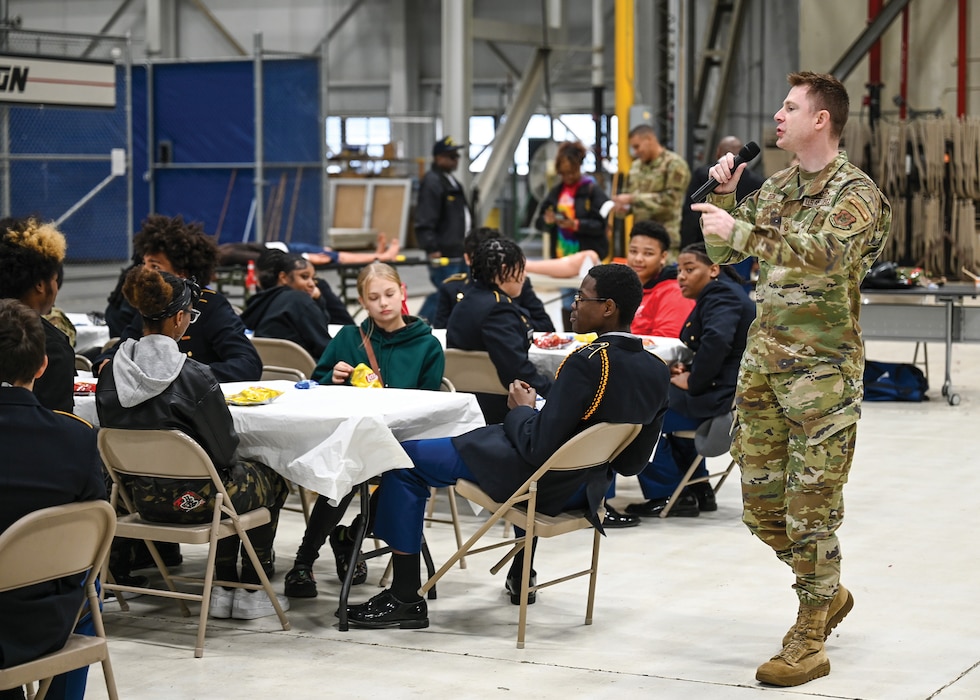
589, 198
332, 305
716, 331
454, 288
217, 339
287, 313
612, 380
440, 215
487, 319
193, 403
55, 389
48, 460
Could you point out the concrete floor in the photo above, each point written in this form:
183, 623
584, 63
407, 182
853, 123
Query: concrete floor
685, 608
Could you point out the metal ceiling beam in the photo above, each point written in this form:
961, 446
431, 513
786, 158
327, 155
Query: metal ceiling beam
332, 32
862, 45
222, 29
509, 134
107, 26
510, 33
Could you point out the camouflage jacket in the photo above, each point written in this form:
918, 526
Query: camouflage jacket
815, 242
659, 189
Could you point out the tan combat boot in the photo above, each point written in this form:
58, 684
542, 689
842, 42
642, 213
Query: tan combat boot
803, 658
839, 607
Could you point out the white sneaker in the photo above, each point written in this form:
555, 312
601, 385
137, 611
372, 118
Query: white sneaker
221, 602
249, 605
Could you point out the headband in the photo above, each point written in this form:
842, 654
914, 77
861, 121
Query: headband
188, 292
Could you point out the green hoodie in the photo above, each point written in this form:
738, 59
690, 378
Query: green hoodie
409, 358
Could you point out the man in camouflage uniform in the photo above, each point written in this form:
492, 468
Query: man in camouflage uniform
816, 228
657, 185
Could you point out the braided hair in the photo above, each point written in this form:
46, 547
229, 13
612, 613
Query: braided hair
272, 262
498, 259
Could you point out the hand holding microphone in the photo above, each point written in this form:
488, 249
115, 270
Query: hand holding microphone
721, 172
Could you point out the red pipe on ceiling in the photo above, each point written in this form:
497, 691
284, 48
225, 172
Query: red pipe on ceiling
874, 55
903, 73
962, 59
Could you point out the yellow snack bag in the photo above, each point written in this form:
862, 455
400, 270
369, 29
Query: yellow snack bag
364, 376
253, 396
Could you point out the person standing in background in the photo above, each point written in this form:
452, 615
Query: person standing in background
816, 228
442, 218
658, 180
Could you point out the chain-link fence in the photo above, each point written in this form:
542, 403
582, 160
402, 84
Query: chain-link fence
56, 162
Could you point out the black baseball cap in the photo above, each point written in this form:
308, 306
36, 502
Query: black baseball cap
445, 145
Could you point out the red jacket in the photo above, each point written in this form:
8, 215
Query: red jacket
664, 309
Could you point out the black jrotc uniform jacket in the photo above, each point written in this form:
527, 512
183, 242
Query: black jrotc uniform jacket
487, 319
455, 287
50, 459
612, 380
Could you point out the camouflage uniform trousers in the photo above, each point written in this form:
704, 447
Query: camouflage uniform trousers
249, 485
795, 445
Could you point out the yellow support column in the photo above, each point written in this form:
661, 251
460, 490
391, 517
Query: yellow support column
625, 94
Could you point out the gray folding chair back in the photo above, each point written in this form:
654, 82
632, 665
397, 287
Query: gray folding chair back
284, 353
50, 544
170, 454
472, 371
598, 444
717, 426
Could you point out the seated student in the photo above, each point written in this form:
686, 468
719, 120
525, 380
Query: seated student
489, 319
284, 308
455, 287
662, 313
49, 459
612, 380
663, 309
218, 338
716, 331
241, 253
407, 356
149, 384
31, 270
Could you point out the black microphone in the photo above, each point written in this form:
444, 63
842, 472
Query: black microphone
749, 151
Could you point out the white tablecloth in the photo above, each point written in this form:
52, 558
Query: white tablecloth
87, 334
330, 438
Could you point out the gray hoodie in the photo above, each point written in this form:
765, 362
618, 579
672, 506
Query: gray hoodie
144, 369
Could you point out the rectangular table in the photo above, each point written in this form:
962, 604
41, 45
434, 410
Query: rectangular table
330, 438
920, 315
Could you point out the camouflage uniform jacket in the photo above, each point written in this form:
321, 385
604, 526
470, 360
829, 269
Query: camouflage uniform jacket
659, 189
815, 242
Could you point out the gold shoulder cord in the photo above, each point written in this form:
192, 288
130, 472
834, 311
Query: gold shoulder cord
603, 381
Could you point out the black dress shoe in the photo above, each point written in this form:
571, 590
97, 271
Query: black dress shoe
706, 497
385, 610
647, 509
615, 519
513, 586
686, 507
